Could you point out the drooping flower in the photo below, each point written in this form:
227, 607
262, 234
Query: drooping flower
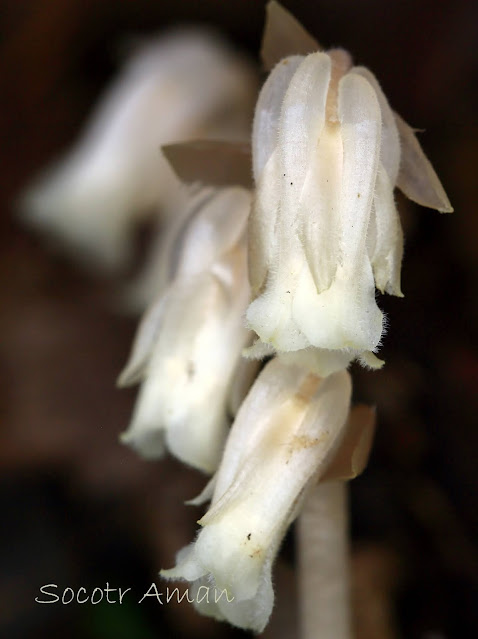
283, 439
189, 345
324, 230
185, 85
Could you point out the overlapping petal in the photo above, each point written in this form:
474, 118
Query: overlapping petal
189, 344
324, 230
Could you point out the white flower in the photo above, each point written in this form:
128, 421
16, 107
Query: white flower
181, 86
284, 436
324, 229
189, 344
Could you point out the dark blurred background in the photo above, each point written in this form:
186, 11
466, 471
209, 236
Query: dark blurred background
77, 508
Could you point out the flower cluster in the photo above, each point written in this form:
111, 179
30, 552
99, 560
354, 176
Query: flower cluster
174, 87
284, 436
296, 261
189, 344
324, 230
323, 234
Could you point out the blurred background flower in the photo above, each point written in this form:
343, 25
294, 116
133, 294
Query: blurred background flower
78, 508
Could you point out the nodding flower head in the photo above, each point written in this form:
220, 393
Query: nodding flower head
282, 441
184, 85
324, 232
188, 347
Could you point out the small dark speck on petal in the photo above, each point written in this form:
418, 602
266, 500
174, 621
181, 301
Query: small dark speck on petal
358, 194
249, 535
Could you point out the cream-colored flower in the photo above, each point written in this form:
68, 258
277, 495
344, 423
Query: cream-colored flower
324, 231
284, 436
184, 85
189, 345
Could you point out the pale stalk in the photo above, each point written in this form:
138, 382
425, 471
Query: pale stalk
324, 598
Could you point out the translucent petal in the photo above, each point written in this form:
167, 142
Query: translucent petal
390, 149
244, 375
185, 392
162, 262
387, 255
268, 108
417, 178
320, 208
146, 336
301, 123
262, 224
360, 120
214, 230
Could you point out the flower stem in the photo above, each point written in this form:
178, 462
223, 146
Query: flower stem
324, 599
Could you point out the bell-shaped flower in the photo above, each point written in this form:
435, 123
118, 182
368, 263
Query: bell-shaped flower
285, 435
185, 85
189, 344
324, 231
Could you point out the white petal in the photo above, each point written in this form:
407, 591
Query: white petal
262, 224
345, 316
370, 360
143, 343
171, 89
250, 613
214, 230
320, 204
246, 371
282, 439
211, 225
360, 119
390, 149
386, 257
301, 123
259, 350
268, 108
205, 495
162, 262
189, 372
320, 361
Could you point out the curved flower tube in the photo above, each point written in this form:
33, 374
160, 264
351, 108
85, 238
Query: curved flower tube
324, 230
189, 344
283, 439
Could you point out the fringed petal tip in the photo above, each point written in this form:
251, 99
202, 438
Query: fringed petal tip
258, 350
371, 361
